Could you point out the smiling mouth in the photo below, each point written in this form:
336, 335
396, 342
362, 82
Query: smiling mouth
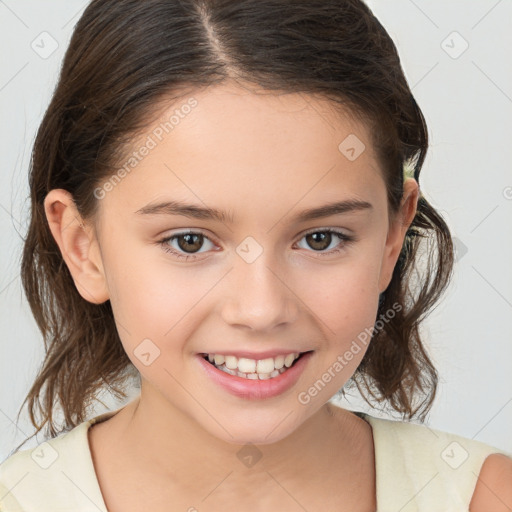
254, 370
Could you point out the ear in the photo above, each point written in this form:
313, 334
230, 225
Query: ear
397, 230
78, 245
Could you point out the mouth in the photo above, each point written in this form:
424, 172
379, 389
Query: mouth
252, 369
262, 378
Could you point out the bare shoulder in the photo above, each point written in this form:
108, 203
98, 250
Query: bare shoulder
493, 490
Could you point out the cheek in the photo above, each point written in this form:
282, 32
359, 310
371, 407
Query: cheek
157, 301
153, 316
344, 302
150, 305
344, 296
346, 315
351, 322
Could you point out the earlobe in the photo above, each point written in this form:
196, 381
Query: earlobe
77, 244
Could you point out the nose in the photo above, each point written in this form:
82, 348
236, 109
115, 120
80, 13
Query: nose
260, 296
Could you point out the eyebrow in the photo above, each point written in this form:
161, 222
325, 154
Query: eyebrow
200, 212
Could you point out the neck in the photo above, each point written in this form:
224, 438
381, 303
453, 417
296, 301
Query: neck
175, 453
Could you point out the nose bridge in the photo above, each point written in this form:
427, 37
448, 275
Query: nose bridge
258, 296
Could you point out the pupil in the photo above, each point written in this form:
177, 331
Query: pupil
188, 245
323, 238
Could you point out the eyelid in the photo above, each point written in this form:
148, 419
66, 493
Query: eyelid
190, 231
324, 229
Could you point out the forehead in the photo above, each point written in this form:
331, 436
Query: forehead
227, 113
249, 148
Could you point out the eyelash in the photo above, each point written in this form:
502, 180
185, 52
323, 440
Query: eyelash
347, 239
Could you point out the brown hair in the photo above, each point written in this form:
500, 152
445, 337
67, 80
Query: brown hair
123, 58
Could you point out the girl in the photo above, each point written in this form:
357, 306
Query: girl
226, 209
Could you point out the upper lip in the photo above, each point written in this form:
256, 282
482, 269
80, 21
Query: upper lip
255, 355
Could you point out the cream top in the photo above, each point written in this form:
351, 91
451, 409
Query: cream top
418, 469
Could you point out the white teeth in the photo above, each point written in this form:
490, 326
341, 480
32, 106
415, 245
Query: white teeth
218, 359
279, 362
266, 365
246, 365
231, 362
253, 369
288, 360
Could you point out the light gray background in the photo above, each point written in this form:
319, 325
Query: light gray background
466, 97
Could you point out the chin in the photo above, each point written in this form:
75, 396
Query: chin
257, 430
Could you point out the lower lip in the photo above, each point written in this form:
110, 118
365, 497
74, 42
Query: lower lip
256, 389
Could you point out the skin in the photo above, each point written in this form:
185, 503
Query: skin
264, 159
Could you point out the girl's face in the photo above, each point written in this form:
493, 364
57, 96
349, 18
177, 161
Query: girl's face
249, 178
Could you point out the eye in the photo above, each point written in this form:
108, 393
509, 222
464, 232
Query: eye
187, 244
321, 239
